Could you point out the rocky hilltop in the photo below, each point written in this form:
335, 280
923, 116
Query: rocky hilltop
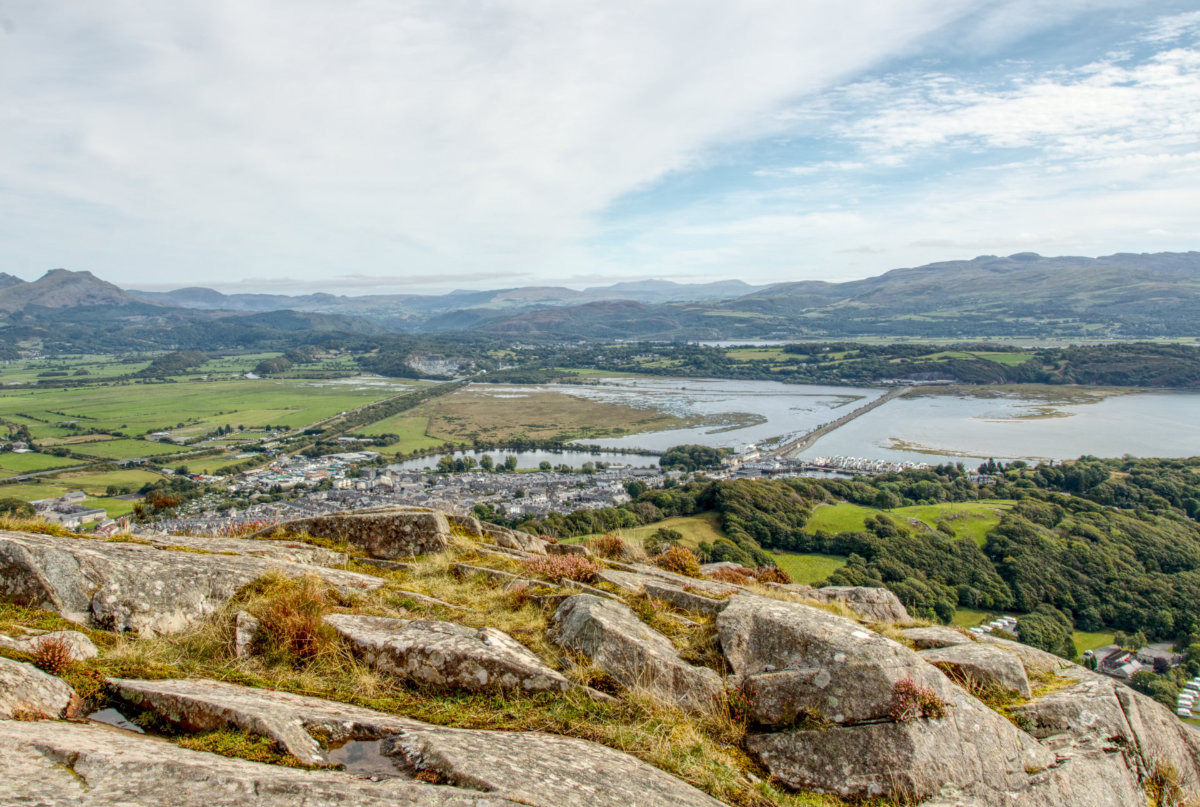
405, 656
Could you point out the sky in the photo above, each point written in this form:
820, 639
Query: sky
391, 146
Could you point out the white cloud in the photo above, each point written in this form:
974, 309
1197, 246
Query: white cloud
210, 140
1098, 111
1174, 27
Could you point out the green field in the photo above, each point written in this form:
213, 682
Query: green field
32, 492
970, 618
187, 408
808, 568
207, 465
17, 464
1085, 640
970, 520
93, 366
126, 449
96, 483
704, 527
114, 507
410, 429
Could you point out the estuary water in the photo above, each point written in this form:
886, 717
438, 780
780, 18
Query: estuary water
1034, 424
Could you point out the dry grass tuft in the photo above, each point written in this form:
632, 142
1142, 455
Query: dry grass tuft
291, 613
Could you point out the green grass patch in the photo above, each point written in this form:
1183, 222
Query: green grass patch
114, 507
1090, 640
703, 527
188, 407
970, 618
840, 517
96, 483
969, 520
17, 464
808, 568
410, 431
32, 491
126, 449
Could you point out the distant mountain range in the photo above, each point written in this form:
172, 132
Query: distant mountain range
411, 311
1024, 294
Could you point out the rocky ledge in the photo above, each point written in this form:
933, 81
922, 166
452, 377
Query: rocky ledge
279, 671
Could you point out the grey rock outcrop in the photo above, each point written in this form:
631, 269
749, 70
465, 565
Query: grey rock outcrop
26, 691
1100, 717
288, 719
872, 604
802, 661
681, 598
632, 652
447, 654
1035, 660
972, 749
984, 664
82, 648
527, 767
245, 631
543, 770
56, 763
382, 532
514, 539
134, 587
280, 550
934, 637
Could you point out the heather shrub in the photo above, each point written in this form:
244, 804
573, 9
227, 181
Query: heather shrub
910, 700
726, 574
740, 704
571, 567
773, 574
610, 545
679, 560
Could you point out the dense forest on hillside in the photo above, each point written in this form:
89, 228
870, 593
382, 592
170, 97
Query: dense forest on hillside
1097, 543
1135, 364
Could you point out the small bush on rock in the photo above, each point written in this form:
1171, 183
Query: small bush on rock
571, 567
610, 545
910, 700
740, 704
679, 560
53, 654
773, 574
730, 574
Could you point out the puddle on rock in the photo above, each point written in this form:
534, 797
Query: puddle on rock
112, 717
366, 758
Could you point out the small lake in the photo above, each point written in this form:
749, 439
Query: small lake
1034, 424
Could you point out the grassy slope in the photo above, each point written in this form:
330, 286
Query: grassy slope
412, 431
201, 406
970, 520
